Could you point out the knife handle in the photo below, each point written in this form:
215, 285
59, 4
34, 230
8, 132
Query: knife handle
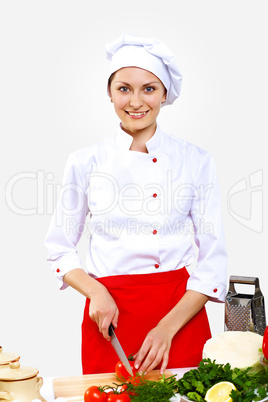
111, 329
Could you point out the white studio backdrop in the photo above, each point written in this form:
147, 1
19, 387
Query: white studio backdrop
53, 101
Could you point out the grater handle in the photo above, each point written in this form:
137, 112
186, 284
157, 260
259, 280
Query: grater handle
246, 280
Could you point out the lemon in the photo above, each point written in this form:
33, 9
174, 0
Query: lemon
220, 392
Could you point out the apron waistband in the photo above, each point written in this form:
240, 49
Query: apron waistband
157, 278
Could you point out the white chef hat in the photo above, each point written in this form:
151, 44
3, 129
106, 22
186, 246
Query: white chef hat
149, 54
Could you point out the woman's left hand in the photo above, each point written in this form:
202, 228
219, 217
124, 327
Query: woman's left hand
156, 346
154, 350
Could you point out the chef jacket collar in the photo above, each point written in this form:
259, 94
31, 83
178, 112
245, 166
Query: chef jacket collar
153, 145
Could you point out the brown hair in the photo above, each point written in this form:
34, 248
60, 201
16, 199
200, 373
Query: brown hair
111, 79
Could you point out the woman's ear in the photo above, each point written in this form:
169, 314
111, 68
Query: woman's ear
164, 97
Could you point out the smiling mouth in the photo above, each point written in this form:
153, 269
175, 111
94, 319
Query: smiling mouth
137, 114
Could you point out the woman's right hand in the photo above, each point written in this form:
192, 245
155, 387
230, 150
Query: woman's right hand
103, 310
102, 307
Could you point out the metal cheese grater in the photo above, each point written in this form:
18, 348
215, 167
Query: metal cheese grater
245, 312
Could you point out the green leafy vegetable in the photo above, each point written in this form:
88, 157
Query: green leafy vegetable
151, 391
195, 383
193, 396
249, 386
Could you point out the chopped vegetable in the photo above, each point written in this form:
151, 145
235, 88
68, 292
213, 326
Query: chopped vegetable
122, 372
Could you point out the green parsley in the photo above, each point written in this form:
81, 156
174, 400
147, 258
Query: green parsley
249, 386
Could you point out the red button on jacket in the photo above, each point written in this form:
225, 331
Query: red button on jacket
215, 290
154, 160
154, 231
156, 265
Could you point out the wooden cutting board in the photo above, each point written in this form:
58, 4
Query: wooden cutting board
73, 388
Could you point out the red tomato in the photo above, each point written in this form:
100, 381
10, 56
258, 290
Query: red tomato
122, 373
118, 397
135, 380
265, 343
124, 388
94, 394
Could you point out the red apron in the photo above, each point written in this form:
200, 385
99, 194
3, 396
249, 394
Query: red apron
143, 300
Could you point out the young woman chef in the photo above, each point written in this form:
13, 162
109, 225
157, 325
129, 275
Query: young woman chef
147, 194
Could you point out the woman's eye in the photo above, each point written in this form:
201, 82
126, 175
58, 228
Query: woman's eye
149, 89
123, 89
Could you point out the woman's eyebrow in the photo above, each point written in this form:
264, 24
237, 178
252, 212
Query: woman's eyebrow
144, 85
151, 83
122, 83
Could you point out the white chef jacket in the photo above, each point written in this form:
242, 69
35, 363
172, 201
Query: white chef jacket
141, 212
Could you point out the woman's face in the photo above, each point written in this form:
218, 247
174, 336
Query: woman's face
137, 96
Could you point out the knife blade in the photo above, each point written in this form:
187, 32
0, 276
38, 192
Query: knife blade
119, 350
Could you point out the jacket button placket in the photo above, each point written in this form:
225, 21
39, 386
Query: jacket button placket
154, 160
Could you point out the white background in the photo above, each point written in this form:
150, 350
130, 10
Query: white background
53, 101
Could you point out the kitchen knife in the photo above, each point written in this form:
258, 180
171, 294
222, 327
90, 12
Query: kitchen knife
119, 350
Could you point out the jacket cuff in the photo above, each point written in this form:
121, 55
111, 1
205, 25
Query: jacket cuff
215, 291
61, 266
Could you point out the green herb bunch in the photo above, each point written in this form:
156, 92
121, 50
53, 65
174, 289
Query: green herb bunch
152, 391
249, 386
